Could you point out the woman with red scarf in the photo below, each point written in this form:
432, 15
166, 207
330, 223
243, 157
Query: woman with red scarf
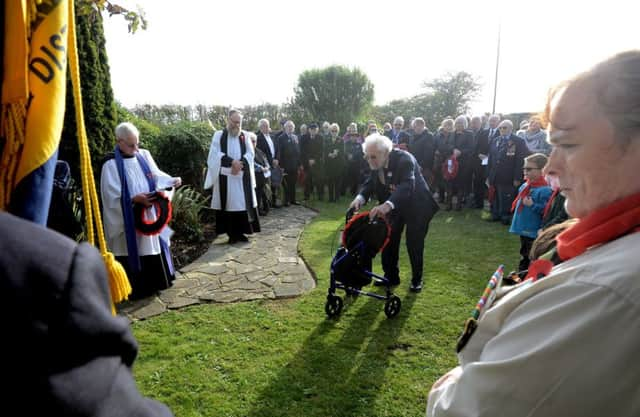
528, 206
566, 345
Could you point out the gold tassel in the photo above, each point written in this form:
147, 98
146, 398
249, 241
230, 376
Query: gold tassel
119, 285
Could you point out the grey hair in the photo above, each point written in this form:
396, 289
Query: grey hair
290, 123
398, 119
462, 119
506, 122
263, 122
234, 111
615, 83
126, 128
337, 126
418, 120
381, 142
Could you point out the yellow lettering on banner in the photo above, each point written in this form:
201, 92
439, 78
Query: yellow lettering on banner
47, 89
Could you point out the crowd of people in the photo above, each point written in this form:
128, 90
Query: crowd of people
559, 344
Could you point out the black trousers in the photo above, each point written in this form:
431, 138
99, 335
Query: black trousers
417, 229
501, 207
290, 187
334, 185
525, 249
479, 184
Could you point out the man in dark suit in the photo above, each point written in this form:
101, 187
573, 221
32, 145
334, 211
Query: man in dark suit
405, 199
268, 145
288, 155
65, 352
397, 135
506, 159
482, 140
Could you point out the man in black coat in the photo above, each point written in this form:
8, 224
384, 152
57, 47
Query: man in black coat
506, 159
423, 148
405, 199
269, 146
483, 139
288, 155
65, 353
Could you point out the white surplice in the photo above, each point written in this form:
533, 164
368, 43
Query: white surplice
235, 191
110, 189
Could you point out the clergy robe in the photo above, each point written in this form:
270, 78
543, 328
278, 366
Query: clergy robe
234, 197
154, 274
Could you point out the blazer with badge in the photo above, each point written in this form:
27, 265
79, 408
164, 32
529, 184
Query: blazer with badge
65, 352
404, 186
506, 159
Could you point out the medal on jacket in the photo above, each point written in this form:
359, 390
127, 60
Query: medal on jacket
488, 295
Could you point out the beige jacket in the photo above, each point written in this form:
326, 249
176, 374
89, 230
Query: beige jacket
567, 345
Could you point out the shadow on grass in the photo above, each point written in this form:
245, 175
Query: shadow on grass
340, 368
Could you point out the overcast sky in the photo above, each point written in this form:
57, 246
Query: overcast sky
250, 52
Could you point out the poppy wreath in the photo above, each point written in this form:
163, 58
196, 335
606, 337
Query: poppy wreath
450, 173
163, 216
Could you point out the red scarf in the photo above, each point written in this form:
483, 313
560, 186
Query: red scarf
540, 182
599, 227
547, 207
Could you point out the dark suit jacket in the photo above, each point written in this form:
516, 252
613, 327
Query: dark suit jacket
288, 152
404, 186
423, 148
403, 137
482, 141
264, 146
506, 159
64, 351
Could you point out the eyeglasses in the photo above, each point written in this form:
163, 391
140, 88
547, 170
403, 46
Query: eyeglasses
527, 169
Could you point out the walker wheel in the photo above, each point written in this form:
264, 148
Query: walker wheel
333, 306
392, 306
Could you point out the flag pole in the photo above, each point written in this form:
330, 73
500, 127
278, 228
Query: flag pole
495, 83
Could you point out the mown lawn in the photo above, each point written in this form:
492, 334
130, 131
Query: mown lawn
285, 358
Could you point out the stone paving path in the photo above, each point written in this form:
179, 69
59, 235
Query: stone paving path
266, 267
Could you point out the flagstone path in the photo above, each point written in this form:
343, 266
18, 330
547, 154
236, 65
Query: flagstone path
266, 267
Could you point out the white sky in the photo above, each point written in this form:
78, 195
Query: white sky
251, 51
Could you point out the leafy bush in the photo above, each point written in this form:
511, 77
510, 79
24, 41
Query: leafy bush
187, 205
181, 150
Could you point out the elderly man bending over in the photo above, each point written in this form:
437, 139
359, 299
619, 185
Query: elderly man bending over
405, 199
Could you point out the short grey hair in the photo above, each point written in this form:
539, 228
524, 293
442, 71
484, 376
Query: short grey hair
399, 119
125, 129
334, 125
381, 142
234, 111
290, 123
263, 122
463, 120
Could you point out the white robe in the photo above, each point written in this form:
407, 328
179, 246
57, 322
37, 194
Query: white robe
235, 191
113, 219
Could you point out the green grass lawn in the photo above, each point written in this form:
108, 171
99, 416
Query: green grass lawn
285, 358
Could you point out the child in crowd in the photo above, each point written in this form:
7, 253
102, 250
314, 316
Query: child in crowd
529, 205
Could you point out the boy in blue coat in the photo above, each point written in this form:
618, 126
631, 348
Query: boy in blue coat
529, 205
